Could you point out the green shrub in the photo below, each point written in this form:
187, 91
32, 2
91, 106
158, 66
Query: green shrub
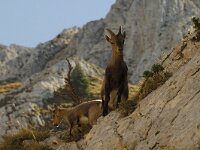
196, 26
157, 68
147, 74
15, 141
196, 23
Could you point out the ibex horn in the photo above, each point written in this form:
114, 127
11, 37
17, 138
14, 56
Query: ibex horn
111, 33
120, 30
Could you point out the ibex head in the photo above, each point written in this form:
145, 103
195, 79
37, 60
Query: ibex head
56, 114
116, 40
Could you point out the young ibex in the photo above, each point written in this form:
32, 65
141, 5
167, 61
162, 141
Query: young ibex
115, 84
89, 111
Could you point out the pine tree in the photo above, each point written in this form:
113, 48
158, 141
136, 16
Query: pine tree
80, 82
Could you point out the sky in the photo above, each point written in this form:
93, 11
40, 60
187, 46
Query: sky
30, 22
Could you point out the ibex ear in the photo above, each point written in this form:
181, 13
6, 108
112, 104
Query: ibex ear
107, 38
124, 34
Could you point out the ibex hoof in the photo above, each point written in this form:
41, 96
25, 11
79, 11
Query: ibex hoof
105, 113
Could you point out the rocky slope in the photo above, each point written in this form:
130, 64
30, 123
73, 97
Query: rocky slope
166, 119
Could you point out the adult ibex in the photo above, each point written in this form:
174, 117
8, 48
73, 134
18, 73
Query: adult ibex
115, 84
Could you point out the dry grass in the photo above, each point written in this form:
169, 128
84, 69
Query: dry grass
133, 91
15, 141
9, 86
94, 87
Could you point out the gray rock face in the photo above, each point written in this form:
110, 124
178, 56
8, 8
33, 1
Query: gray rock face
152, 27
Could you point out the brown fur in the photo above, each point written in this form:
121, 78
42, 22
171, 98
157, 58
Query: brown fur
89, 111
115, 83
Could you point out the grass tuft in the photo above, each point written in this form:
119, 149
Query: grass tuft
9, 86
15, 141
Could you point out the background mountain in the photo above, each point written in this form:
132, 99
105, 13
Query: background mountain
152, 28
